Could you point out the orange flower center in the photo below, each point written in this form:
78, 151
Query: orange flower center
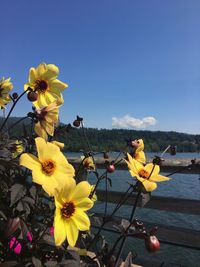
144, 174
68, 209
48, 167
41, 86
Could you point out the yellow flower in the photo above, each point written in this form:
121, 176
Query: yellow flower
43, 81
16, 149
70, 215
88, 162
51, 169
139, 155
59, 144
5, 87
46, 117
147, 175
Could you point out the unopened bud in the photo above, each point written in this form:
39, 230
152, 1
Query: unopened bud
32, 96
172, 150
15, 95
76, 123
157, 160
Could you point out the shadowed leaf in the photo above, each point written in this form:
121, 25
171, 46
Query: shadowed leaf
18, 191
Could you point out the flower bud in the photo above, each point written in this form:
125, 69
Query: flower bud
76, 123
172, 150
152, 243
157, 160
110, 168
32, 96
15, 95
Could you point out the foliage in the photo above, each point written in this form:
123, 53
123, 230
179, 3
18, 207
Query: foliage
45, 217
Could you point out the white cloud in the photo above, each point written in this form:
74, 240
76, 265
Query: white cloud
129, 122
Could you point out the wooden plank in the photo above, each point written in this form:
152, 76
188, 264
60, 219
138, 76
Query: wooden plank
178, 236
188, 206
182, 165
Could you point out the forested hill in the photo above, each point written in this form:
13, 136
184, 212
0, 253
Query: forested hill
115, 139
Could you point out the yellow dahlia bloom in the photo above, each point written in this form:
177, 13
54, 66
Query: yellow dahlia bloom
5, 87
43, 81
88, 162
148, 175
138, 144
70, 216
51, 169
16, 148
46, 117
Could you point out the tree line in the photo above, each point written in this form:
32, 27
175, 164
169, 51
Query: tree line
77, 139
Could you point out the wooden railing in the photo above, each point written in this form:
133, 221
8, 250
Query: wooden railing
167, 234
183, 165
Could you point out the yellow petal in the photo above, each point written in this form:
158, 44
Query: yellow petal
140, 178
45, 150
32, 75
51, 186
140, 156
40, 131
57, 86
63, 166
59, 230
72, 232
81, 220
82, 190
29, 161
137, 165
152, 169
41, 101
84, 204
38, 176
159, 178
66, 191
58, 203
149, 186
51, 72
48, 127
40, 70
59, 144
133, 165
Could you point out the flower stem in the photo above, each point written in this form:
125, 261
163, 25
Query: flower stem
126, 231
13, 106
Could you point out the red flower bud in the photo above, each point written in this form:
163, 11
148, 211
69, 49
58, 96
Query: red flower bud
110, 168
152, 243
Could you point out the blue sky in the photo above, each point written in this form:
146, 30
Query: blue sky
123, 60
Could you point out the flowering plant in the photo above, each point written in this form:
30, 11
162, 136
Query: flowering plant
45, 201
